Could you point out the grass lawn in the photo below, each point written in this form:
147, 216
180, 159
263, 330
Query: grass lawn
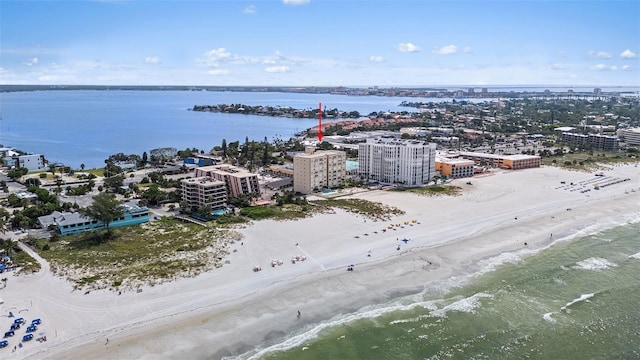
97, 172
150, 253
370, 209
285, 212
439, 190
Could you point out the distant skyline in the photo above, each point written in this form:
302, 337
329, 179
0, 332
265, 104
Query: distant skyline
320, 43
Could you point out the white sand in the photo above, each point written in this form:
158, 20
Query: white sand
231, 310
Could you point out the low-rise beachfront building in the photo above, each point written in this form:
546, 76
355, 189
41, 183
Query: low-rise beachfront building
33, 162
454, 168
512, 162
237, 180
67, 223
317, 170
202, 191
590, 141
388, 160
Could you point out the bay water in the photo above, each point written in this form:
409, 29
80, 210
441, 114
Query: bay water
577, 299
76, 127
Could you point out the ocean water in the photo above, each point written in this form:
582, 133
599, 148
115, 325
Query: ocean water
87, 126
577, 299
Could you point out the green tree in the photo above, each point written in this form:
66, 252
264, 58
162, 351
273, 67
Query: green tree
32, 182
4, 219
153, 195
82, 167
224, 148
105, 208
245, 148
16, 174
114, 182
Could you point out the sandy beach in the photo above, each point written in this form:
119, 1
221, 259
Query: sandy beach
231, 310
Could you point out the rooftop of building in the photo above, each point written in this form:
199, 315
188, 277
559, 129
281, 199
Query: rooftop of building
228, 170
387, 140
456, 161
203, 180
497, 156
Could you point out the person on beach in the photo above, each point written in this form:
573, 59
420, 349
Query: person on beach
299, 314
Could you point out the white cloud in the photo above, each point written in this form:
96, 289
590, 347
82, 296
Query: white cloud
215, 57
152, 60
559, 67
218, 54
599, 54
277, 69
249, 10
603, 67
295, 2
407, 47
376, 58
32, 62
218, 72
628, 54
626, 67
467, 49
446, 50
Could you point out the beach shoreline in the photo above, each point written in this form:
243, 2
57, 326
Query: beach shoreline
230, 311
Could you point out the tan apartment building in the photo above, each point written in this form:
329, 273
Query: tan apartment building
237, 180
317, 170
201, 191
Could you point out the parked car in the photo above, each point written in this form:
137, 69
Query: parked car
19, 321
9, 333
27, 337
36, 321
31, 328
3, 343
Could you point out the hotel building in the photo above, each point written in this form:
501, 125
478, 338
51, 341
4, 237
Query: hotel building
389, 160
238, 181
590, 141
317, 170
512, 162
454, 168
201, 191
67, 223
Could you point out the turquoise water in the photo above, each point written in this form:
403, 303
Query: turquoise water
352, 165
577, 299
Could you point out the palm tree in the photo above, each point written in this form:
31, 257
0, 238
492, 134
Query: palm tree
52, 169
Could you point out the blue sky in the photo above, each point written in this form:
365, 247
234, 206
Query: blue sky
321, 42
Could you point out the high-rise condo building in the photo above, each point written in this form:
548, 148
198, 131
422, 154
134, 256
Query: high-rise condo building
389, 160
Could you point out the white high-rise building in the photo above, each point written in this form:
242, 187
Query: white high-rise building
391, 161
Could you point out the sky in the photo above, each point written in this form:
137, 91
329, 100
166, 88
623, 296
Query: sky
320, 42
